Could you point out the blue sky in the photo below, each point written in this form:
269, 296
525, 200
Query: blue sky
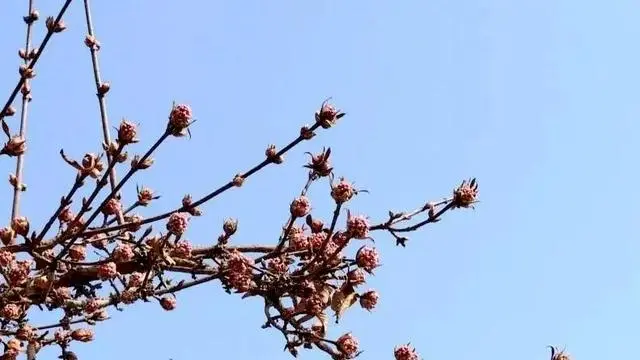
537, 99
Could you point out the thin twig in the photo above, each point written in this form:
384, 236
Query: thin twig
104, 120
33, 62
26, 98
206, 198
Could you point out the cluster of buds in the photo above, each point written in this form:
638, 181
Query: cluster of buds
367, 259
91, 165
140, 163
328, 115
300, 206
107, 271
239, 274
405, 352
145, 196
357, 226
177, 223
123, 252
127, 132
112, 207
466, 194
180, 118
348, 345
320, 165
182, 249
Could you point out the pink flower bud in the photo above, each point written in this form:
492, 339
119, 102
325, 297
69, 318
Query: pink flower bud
405, 352
84, 335
20, 225
77, 252
107, 271
11, 312
342, 191
168, 303
127, 133
7, 235
300, 206
348, 344
369, 300
123, 253
177, 223
358, 227
112, 207
368, 259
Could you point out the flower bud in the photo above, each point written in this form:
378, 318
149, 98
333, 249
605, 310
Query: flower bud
20, 225
15, 146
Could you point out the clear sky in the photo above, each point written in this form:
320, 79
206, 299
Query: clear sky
537, 99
